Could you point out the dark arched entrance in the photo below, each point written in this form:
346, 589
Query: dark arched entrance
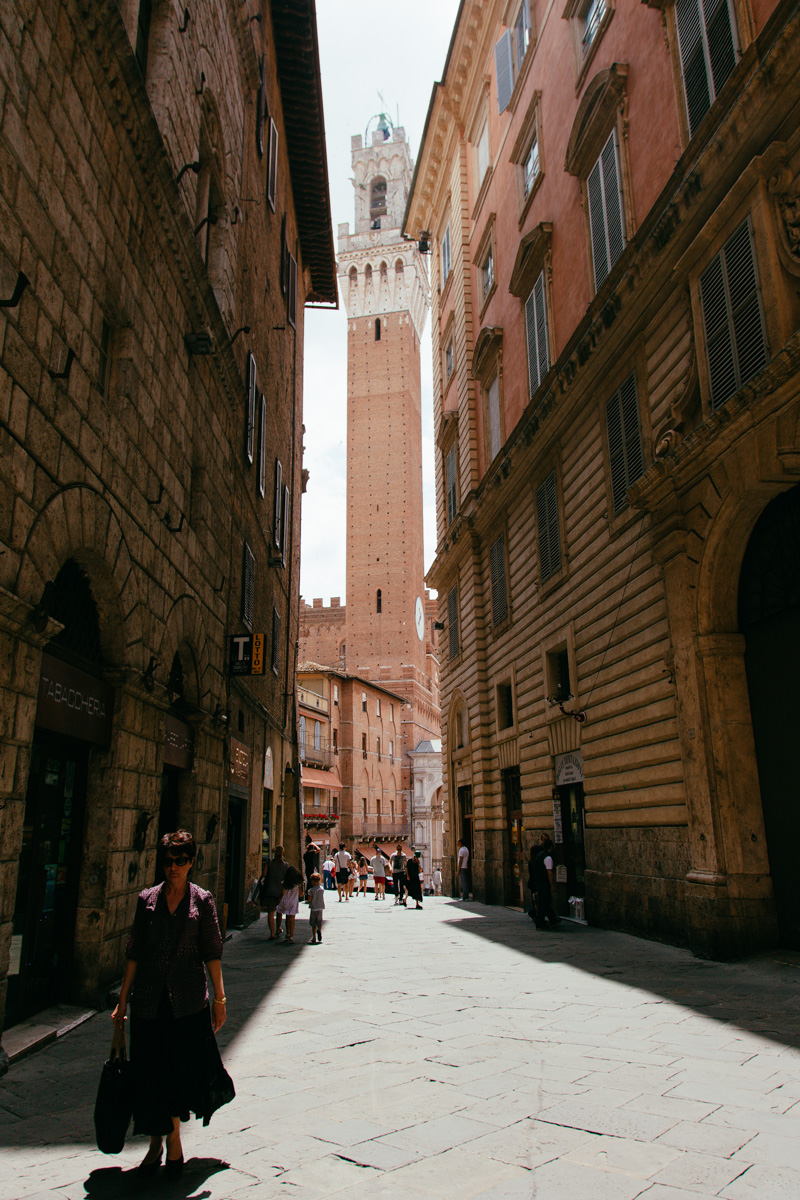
769, 618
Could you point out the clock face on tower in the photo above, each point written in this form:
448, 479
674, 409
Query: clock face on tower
419, 617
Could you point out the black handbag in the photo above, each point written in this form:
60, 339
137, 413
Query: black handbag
114, 1104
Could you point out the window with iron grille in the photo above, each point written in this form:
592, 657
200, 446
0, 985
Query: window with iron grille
248, 586
277, 524
452, 622
708, 50
733, 317
606, 219
548, 528
250, 415
625, 456
536, 328
497, 570
451, 483
276, 640
262, 449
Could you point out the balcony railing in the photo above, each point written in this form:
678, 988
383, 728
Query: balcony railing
316, 756
381, 829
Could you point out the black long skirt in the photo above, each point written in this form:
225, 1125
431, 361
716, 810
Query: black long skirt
177, 1070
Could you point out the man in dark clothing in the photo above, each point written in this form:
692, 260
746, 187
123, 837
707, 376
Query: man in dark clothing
310, 861
542, 880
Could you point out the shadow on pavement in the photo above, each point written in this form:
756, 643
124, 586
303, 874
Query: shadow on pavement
107, 1183
760, 995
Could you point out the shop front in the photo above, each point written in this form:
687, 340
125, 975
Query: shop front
73, 715
568, 835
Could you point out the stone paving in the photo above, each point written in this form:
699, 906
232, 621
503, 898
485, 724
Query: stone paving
455, 1052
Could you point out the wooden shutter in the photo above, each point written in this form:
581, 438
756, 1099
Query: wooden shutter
597, 225
493, 402
497, 568
708, 51
277, 519
262, 449
272, 164
720, 37
451, 484
612, 196
248, 586
736, 345
250, 416
504, 69
626, 458
549, 535
536, 328
452, 621
276, 639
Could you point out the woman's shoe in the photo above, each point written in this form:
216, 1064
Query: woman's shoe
173, 1166
146, 1169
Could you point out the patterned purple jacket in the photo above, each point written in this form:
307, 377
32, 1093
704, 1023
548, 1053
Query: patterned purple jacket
170, 950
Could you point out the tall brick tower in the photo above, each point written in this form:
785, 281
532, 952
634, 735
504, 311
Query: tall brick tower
384, 284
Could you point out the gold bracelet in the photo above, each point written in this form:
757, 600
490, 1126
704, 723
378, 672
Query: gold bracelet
220, 1000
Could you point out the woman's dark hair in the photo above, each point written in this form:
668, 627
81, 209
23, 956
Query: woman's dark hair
181, 839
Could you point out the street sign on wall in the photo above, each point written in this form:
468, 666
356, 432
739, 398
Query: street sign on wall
246, 654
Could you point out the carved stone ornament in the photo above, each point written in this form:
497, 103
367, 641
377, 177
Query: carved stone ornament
786, 192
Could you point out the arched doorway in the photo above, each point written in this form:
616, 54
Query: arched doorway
769, 618
73, 714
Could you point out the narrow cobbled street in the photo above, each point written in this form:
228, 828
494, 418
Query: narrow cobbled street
455, 1052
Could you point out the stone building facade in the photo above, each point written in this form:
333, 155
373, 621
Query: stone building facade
385, 632
611, 197
165, 218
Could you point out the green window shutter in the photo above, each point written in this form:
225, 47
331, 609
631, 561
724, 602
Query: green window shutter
497, 570
549, 533
452, 621
733, 319
504, 68
536, 329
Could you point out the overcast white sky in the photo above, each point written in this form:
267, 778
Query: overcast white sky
366, 48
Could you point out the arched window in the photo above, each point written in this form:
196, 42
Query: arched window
368, 274
384, 272
379, 590
377, 329
398, 266
73, 604
377, 202
353, 277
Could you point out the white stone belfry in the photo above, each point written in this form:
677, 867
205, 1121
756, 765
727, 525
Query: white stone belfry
380, 271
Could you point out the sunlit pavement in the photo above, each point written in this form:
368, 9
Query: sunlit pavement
455, 1052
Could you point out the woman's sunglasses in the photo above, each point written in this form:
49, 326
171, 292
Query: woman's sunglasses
170, 861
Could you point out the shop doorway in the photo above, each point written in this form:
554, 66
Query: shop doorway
45, 908
570, 857
769, 618
515, 874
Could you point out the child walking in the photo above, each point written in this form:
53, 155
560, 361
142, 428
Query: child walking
316, 900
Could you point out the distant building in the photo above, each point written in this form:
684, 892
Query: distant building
165, 220
427, 811
385, 633
611, 196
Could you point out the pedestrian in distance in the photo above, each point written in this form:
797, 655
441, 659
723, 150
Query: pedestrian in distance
437, 882
175, 1060
342, 861
378, 864
363, 876
310, 860
289, 903
353, 880
463, 868
414, 880
272, 887
316, 900
328, 868
542, 876
399, 861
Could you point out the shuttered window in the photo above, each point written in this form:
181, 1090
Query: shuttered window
708, 48
292, 297
452, 622
285, 525
250, 415
276, 640
504, 69
451, 484
482, 155
497, 569
278, 504
626, 459
536, 328
605, 211
272, 164
262, 449
493, 402
261, 106
446, 260
733, 318
549, 534
248, 586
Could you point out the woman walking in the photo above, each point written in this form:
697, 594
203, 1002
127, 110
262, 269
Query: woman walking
272, 888
363, 876
175, 1061
289, 903
413, 880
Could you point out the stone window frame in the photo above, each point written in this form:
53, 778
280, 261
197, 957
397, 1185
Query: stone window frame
479, 123
552, 464
499, 532
486, 251
558, 641
519, 70
603, 108
575, 14
534, 258
487, 364
505, 678
445, 239
448, 339
530, 131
